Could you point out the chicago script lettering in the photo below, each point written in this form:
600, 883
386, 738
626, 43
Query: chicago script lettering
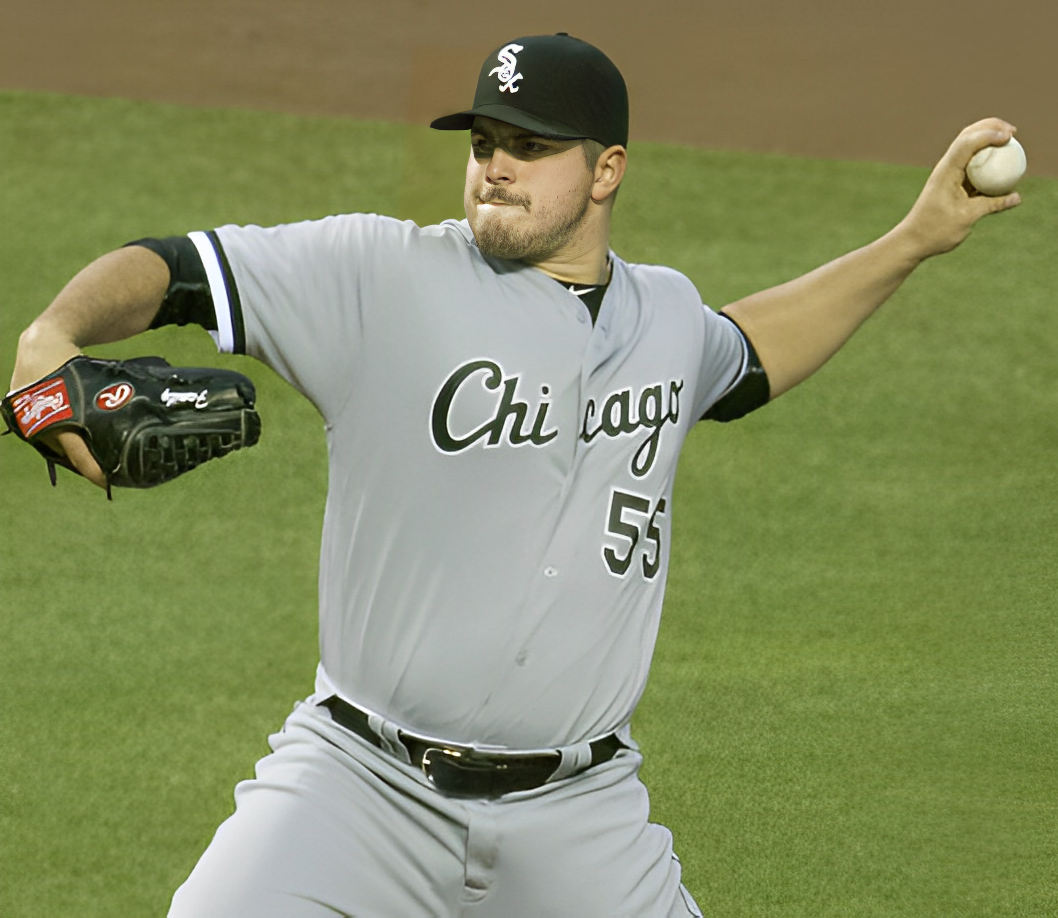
492, 429
617, 418
507, 419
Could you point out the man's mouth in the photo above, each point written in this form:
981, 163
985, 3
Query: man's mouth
502, 198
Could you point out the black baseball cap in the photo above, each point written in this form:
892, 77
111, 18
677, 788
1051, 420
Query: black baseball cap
554, 85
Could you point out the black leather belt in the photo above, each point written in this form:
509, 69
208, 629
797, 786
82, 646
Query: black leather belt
463, 771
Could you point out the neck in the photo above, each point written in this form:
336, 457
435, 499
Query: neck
586, 258
583, 270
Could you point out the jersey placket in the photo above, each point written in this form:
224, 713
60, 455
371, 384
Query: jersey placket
551, 569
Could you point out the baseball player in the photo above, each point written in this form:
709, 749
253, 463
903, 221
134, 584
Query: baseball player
505, 399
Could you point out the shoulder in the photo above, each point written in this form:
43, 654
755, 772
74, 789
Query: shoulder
669, 299
349, 240
345, 228
656, 282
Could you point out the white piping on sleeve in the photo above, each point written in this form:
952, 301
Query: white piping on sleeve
745, 361
225, 334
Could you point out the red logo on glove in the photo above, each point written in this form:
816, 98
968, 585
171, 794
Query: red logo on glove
113, 397
42, 406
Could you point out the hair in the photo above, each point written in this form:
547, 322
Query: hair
592, 150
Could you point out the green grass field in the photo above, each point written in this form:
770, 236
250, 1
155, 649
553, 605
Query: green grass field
854, 703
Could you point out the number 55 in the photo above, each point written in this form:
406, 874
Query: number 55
629, 532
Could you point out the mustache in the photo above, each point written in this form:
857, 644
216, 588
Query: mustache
504, 196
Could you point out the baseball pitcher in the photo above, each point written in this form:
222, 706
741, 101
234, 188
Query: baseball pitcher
505, 400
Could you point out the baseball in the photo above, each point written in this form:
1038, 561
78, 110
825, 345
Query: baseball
996, 170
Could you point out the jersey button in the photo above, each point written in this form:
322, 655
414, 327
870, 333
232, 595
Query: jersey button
550, 571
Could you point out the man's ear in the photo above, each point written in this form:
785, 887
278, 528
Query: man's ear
609, 172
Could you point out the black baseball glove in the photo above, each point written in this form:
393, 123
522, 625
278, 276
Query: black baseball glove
144, 421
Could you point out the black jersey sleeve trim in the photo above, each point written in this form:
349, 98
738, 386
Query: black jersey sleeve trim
188, 299
201, 288
750, 392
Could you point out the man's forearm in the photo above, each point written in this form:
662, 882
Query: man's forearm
115, 297
798, 326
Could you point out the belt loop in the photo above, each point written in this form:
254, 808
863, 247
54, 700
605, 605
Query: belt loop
389, 735
574, 759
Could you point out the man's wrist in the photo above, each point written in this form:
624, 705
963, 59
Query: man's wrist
40, 351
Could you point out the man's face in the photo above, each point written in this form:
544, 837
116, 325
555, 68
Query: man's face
526, 196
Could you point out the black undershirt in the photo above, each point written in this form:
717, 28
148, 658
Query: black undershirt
590, 296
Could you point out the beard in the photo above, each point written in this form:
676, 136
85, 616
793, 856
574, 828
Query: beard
552, 229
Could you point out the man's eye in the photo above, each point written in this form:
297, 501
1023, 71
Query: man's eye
531, 146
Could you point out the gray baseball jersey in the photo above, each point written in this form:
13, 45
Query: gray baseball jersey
496, 536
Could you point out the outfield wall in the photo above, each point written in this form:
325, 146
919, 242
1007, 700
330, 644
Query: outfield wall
849, 79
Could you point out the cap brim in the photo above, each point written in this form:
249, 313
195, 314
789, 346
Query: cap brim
463, 121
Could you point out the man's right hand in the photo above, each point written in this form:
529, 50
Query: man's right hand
67, 442
113, 298
76, 450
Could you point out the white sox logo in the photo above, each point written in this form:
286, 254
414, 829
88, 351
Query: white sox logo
508, 65
516, 423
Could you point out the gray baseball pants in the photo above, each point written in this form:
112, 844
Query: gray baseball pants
331, 826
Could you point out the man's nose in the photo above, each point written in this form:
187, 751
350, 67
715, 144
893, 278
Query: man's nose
501, 168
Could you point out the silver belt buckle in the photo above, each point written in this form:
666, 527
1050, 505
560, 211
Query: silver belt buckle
458, 758
427, 759
459, 771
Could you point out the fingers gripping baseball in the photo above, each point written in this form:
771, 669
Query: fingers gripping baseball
948, 206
